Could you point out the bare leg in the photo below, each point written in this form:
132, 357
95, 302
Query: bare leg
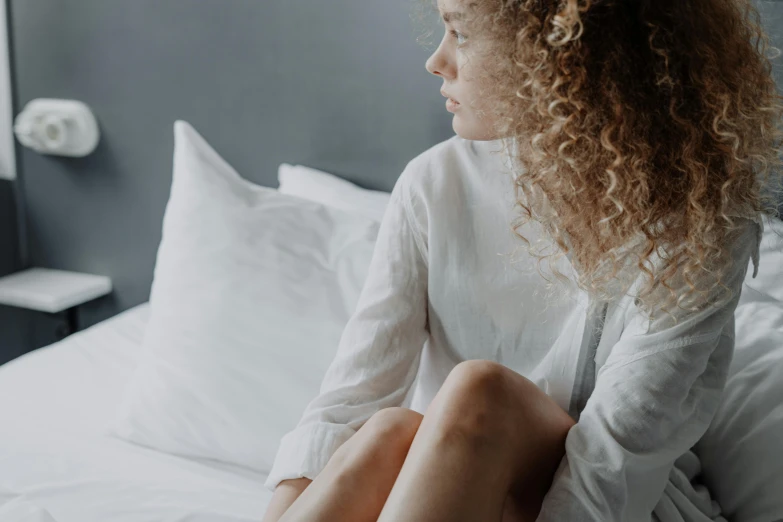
488, 435
357, 480
494, 426
284, 496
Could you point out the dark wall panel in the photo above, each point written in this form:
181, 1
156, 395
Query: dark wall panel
14, 326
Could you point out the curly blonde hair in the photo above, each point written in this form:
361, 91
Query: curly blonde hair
641, 130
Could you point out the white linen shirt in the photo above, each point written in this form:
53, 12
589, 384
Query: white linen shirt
450, 281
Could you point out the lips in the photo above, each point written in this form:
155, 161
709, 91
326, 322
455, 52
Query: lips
446, 95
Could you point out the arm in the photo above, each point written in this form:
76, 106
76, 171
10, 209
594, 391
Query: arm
379, 352
654, 398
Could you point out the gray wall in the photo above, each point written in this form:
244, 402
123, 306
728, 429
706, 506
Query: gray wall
337, 85
772, 16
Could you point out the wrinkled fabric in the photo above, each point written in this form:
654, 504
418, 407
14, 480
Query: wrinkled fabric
451, 281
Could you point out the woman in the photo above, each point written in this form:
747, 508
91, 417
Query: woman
628, 142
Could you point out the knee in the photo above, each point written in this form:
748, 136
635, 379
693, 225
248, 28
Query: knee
385, 437
478, 376
392, 425
486, 403
478, 385
476, 402
496, 400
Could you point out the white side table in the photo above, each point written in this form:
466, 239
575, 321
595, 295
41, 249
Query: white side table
53, 292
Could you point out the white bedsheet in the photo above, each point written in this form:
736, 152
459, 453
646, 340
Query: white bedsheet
57, 464
54, 407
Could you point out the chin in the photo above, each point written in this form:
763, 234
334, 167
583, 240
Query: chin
471, 130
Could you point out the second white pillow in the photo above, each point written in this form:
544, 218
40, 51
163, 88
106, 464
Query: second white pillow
316, 185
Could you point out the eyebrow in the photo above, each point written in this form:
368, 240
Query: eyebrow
452, 15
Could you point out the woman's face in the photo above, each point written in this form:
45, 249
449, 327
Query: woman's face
457, 61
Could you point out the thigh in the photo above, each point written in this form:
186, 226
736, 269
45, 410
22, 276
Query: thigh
489, 434
536, 452
355, 483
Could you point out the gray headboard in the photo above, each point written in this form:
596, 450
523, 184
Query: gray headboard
337, 85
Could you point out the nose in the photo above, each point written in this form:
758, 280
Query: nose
439, 63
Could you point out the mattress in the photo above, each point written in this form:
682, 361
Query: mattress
56, 459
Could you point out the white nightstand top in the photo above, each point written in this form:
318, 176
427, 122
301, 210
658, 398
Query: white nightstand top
51, 291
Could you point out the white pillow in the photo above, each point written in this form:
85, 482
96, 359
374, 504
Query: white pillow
252, 290
315, 185
741, 450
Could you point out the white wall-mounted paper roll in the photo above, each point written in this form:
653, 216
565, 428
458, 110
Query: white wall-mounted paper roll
59, 127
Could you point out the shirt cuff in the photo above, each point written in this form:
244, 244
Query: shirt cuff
305, 451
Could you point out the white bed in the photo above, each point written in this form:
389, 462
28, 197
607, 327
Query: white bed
55, 454
55, 405
208, 381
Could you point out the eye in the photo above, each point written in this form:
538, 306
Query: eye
461, 38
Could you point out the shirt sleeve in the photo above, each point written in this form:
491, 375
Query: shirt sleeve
654, 399
380, 349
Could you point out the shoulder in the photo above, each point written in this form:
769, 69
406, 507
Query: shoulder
429, 181
438, 181
429, 168
451, 149
447, 166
